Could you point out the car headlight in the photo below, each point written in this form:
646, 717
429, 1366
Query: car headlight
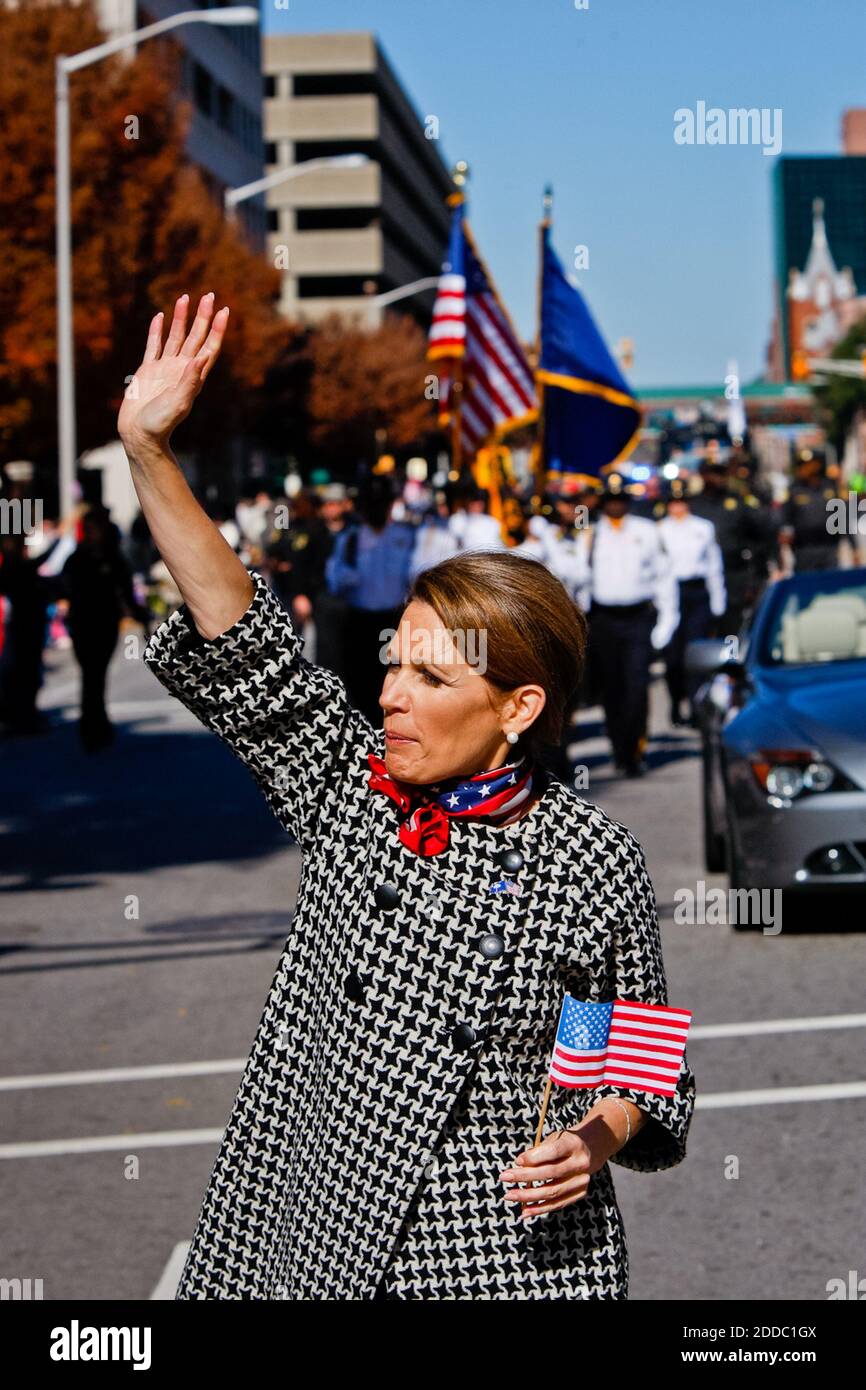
791, 772
784, 780
819, 777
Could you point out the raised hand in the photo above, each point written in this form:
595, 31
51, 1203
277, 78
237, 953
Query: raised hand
169, 378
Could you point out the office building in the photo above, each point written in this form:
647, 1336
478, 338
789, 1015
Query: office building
342, 234
221, 76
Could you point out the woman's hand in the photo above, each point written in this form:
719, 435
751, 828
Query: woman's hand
563, 1162
169, 378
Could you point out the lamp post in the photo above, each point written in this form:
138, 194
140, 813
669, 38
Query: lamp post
66, 425
233, 196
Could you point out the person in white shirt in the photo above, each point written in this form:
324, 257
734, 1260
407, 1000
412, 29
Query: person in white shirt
625, 582
473, 528
697, 565
434, 541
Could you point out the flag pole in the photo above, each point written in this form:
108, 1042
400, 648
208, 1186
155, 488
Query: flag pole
546, 1096
459, 174
543, 1113
545, 223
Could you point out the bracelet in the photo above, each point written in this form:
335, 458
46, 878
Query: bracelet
622, 1106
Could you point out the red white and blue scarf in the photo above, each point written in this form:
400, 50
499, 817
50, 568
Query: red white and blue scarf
493, 796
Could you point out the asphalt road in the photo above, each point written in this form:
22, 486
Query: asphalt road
145, 894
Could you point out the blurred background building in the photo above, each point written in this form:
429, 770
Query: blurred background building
350, 232
221, 76
819, 237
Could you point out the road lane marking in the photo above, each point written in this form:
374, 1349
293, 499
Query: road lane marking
176, 1138
170, 1277
158, 1071
146, 1073
752, 1028
783, 1095
111, 1143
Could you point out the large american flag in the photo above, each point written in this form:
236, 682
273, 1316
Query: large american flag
470, 325
623, 1043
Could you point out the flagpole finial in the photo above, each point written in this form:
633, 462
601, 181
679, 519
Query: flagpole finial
547, 202
460, 173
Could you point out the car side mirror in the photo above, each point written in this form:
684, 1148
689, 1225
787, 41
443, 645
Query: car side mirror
707, 655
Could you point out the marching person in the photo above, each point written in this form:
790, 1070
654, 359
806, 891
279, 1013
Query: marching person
627, 586
472, 526
331, 611
746, 535
804, 526
691, 545
379, 1147
369, 566
98, 582
434, 539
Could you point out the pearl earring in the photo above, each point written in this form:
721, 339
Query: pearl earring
512, 737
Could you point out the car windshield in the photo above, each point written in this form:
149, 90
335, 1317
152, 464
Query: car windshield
817, 618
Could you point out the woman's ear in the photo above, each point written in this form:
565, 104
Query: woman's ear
523, 706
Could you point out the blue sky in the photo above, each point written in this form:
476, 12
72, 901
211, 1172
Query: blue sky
679, 237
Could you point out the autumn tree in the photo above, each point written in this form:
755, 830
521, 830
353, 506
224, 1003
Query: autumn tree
144, 229
367, 381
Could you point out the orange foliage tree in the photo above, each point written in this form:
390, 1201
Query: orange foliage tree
362, 382
144, 229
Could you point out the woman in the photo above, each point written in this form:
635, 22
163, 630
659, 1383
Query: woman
386, 1113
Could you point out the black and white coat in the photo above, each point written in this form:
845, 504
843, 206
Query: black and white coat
399, 1063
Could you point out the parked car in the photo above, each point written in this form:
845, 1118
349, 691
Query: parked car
783, 726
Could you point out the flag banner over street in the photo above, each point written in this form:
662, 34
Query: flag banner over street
622, 1043
471, 326
591, 417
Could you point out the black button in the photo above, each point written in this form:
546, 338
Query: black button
511, 860
462, 1037
353, 987
492, 946
386, 896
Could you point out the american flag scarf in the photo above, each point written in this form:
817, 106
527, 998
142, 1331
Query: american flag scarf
493, 796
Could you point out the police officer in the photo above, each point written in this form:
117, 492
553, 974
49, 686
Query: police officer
696, 560
746, 536
628, 589
805, 516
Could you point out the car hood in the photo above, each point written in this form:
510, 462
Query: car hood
825, 705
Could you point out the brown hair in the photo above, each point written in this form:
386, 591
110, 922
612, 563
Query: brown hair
535, 632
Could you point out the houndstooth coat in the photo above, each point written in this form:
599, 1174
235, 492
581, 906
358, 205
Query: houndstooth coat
402, 1054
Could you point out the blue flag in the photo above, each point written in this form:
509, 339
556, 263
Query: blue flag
591, 417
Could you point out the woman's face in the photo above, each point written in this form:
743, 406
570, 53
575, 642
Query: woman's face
442, 718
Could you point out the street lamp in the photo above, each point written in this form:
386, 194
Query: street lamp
404, 291
232, 15
233, 196
378, 301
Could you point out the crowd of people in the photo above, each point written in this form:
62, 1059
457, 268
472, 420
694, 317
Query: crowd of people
653, 570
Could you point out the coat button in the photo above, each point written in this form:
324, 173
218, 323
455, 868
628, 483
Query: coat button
353, 987
462, 1037
492, 946
510, 861
386, 896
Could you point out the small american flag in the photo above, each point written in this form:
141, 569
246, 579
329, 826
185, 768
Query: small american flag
624, 1043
